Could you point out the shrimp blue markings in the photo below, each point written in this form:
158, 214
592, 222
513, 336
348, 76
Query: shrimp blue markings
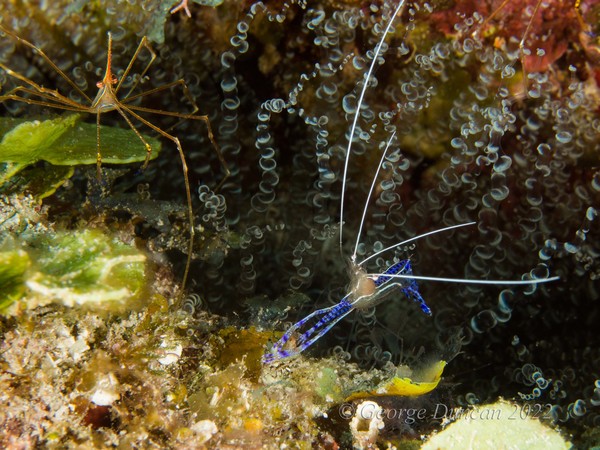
328, 317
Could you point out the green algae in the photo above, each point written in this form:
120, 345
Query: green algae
13, 265
85, 267
41, 182
30, 141
63, 142
327, 386
213, 3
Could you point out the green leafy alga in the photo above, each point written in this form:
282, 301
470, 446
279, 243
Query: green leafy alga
73, 268
13, 265
64, 141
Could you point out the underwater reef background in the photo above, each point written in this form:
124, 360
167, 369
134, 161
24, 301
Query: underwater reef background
485, 132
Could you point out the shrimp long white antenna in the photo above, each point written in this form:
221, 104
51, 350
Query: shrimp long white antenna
362, 219
357, 113
420, 236
464, 280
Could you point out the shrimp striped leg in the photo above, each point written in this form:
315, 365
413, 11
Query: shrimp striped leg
326, 318
307, 332
409, 288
